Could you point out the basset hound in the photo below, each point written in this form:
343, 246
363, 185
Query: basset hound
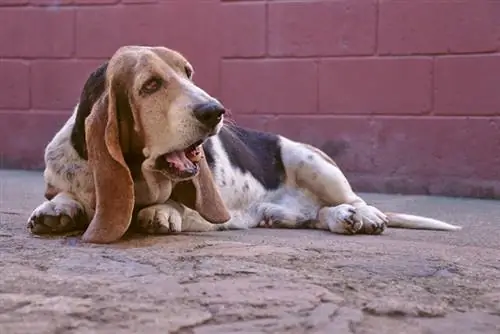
147, 148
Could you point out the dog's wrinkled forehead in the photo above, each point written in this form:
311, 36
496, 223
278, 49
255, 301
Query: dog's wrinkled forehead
135, 64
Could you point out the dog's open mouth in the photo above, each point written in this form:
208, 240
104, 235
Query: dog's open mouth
182, 163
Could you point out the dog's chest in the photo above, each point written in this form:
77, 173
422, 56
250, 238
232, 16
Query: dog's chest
238, 190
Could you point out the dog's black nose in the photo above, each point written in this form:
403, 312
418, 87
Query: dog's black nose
209, 114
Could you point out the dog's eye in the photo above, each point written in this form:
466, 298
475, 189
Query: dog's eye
189, 72
151, 86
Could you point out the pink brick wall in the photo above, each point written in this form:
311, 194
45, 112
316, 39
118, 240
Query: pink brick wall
404, 94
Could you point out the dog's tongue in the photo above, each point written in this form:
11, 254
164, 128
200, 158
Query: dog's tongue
179, 161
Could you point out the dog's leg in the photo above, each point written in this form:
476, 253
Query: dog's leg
170, 217
295, 208
59, 215
279, 216
340, 219
343, 211
173, 217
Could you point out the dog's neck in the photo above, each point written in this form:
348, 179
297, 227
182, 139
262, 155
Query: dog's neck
134, 161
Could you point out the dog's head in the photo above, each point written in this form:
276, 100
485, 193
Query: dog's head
146, 105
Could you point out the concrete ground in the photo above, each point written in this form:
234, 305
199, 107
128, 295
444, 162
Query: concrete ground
256, 281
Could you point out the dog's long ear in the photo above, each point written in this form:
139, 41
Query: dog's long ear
201, 194
114, 188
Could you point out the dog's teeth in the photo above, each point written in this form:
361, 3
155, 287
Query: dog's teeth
195, 155
196, 158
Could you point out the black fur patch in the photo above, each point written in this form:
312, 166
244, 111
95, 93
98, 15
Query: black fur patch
92, 90
251, 151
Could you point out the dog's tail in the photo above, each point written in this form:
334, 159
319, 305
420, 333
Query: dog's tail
403, 220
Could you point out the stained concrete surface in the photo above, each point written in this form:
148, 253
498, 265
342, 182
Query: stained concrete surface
256, 281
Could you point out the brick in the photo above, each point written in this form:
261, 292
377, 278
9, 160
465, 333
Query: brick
147, 24
100, 31
51, 3
244, 33
455, 147
13, 2
23, 137
36, 32
322, 28
413, 154
348, 140
56, 84
16, 88
467, 85
426, 185
192, 30
95, 2
139, 1
257, 122
375, 86
426, 27
199, 38
269, 86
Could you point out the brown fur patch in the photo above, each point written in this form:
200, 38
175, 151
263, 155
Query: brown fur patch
113, 181
201, 194
51, 191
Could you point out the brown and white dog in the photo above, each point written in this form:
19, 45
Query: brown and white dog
146, 146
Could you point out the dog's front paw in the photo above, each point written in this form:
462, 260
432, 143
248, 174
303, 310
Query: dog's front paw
52, 217
266, 223
159, 219
341, 219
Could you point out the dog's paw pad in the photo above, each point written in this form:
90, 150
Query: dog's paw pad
159, 221
351, 222
374, 221
51, 218
342, 219
266, 223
